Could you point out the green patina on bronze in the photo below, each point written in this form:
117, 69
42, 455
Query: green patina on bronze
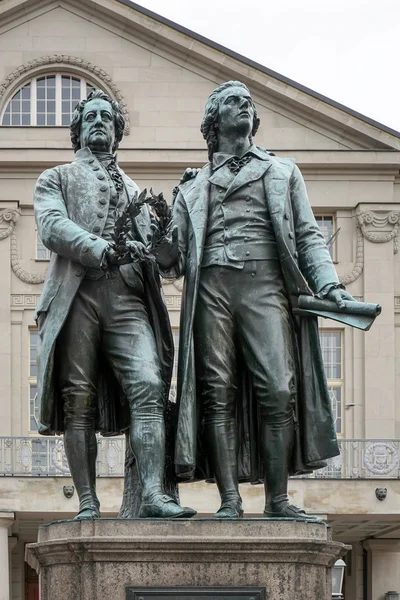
106, 349
252, 393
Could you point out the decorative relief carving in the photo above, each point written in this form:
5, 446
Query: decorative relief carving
9, 216
381, 458
365, 221
60, 60
173, 302
380, 221
22, 301
177, 283
25, 276
359, 264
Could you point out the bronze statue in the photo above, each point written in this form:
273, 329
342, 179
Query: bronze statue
252, 392
106, 349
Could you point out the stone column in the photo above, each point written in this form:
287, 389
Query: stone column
383, 567
6, 520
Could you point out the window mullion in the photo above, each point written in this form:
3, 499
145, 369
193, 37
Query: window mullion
58, 100
33, 103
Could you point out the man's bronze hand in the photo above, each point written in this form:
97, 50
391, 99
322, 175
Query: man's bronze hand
340, 297
190, 173
167, 250
136, 252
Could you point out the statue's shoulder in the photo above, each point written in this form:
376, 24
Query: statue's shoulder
286, 165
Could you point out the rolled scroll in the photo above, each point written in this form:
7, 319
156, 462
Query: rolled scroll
356, 314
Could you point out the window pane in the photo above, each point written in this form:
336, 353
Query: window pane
33, 408
42, 253
16, 107
331, 344
336, 400
19, 109
33, 352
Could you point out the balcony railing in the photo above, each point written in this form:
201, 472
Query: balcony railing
45, 457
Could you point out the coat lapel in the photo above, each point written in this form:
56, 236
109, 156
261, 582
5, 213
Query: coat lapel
250, 172
196, 194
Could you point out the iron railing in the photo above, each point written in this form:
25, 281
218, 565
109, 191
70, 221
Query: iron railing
45, 457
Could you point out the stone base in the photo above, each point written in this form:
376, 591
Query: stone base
97, 560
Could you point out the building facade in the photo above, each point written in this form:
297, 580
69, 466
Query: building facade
52, 52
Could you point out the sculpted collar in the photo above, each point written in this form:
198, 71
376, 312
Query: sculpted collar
86, 153
219, 158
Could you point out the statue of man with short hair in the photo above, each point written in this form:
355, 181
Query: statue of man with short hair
251, 380
106, 349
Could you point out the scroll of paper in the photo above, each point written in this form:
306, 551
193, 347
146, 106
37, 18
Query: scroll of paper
355, 314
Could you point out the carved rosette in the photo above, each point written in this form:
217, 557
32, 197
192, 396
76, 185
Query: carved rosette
60, 60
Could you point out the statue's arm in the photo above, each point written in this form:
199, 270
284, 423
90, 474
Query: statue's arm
180, 225
315, 261
57, 232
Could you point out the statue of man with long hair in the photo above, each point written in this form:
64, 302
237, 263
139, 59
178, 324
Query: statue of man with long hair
106, 350
252, 392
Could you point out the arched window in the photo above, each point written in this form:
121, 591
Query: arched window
46, 101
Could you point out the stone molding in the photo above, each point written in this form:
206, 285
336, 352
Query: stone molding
380, 221
85, 67
24, 301
182, 543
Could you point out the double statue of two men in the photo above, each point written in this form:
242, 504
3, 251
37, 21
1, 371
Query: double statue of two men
252, 400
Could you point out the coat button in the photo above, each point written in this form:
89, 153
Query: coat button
247, 198
96, 229
78, 272
91, 160
100, 215
296, 254
95, 167
291, 235
101, 176
103, 201
226, 241
103, 188
249, 184
286, 215
93, 237
247, 253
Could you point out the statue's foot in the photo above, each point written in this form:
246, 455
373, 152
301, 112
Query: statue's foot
162, 506
90, 512
290, 511
230, 510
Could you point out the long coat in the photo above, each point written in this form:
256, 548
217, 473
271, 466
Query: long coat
307, 268
71, 202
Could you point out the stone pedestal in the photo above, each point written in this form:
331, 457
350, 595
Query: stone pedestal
97, 560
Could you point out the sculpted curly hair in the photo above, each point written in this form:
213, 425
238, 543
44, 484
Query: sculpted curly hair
75, 127
209, 124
